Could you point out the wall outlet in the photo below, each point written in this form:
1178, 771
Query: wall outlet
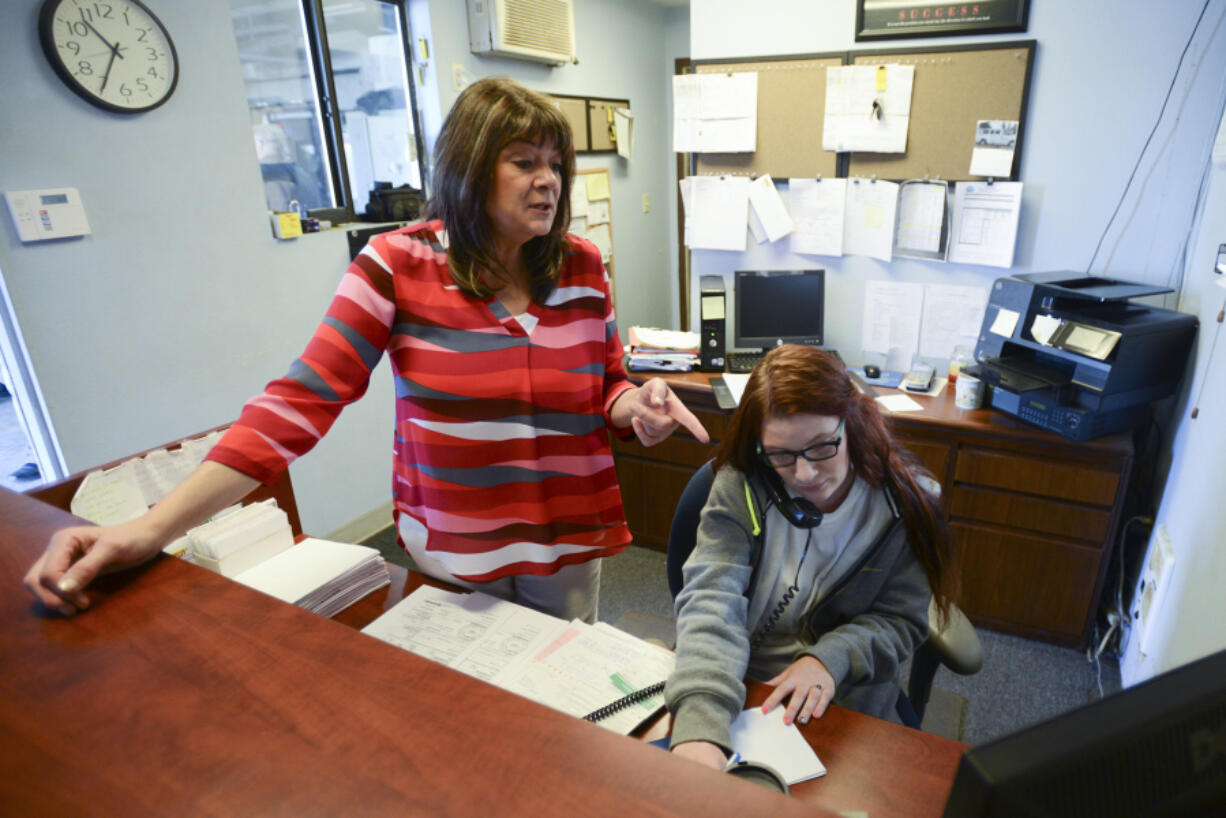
459, 76
646, 203
1155, 577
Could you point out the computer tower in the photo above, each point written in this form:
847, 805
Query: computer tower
712, 338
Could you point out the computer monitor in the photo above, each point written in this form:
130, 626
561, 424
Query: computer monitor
1156, 749
776, 307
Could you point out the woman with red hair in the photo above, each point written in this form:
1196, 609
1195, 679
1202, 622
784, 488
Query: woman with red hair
818, 551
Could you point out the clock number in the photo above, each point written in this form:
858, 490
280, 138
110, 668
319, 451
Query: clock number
76, 27
153, 54
124, 90
153, 72
86, 15
140, 37
86, 68
142, 85
103, 10
73, 46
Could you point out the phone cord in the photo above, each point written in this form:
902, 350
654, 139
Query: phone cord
788, 596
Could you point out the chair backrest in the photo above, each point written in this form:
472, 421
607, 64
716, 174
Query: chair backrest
683, 532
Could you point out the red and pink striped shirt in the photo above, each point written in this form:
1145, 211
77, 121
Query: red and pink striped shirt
502, 463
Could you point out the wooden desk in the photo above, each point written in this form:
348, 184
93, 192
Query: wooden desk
181, 692
1034, 515
884, 769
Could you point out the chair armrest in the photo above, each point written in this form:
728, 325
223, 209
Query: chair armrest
957, 644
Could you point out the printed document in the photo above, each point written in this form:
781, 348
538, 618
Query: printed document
868, 108
953, 315
985, 223
769, 217
818, 207
715, 113
921, 220
718, 212
868, 227
892, 319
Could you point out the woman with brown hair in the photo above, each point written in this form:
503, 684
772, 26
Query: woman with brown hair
818, 551
507, 366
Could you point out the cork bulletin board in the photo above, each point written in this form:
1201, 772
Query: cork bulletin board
954, 89
791, 108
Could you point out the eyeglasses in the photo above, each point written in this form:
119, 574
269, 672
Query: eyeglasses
816, 453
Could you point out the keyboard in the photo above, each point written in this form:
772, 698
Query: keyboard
744, 362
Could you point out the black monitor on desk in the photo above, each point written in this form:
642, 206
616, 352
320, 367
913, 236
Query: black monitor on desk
776, 307
1156, 749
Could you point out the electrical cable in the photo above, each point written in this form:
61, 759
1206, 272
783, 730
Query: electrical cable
1128, 185
788, 595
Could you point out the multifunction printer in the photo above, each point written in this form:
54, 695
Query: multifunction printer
1075, 355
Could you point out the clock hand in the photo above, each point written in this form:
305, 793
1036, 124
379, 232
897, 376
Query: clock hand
114, 53
114, 48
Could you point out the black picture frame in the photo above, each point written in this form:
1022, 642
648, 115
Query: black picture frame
890, 20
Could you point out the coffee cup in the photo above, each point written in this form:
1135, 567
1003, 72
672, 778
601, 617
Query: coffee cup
968, 392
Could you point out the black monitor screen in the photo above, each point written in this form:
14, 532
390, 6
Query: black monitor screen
1156, 749
779, 306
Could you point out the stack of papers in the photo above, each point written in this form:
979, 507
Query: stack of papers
570, 666
240, 538
662, 350
321, 576
764, 738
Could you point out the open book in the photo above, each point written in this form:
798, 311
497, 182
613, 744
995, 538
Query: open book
570, 666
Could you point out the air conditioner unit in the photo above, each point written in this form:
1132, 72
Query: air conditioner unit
537, 30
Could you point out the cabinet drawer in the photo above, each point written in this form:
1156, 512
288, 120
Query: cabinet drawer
1061, 480
1058, 591
933, 455
1036, 514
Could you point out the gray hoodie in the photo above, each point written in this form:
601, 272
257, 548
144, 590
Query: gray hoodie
862, 607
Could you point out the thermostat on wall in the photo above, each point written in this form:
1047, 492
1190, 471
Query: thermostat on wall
55, 213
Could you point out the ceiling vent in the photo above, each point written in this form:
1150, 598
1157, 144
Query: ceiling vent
537, 30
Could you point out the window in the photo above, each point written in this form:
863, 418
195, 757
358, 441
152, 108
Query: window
332, 106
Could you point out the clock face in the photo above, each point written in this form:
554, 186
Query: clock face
117, 55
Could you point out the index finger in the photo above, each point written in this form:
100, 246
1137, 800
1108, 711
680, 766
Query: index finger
681, 413
774, 699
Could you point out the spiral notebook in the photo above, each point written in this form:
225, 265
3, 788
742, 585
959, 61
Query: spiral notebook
588, 671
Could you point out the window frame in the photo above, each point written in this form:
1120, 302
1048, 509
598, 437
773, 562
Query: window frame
325, 91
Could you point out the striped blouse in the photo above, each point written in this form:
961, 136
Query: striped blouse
502, 463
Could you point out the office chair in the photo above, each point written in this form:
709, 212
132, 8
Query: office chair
956, 645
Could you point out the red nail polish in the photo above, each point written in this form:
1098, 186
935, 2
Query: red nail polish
787, 720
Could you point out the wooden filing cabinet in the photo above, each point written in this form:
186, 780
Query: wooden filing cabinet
1034, 516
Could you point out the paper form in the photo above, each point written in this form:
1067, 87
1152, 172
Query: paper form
953, 315
720, 212
598, 212
578, 200
891, 318
818, 207
868, 108
474, 633
985, 223
868, 226
108, 498
767, 205
921, 220
574, 674
715, 112
603, 239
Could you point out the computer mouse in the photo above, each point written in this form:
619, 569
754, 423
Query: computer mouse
872, 372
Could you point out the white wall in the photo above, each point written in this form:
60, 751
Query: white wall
623, 50
1101, 72
181, 305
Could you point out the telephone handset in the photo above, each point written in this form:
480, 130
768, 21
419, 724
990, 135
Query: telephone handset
798, 511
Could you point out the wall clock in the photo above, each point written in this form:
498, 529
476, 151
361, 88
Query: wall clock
116, 55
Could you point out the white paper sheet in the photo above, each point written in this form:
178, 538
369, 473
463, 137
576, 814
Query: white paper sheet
898, 403
715, 112
720, 212
868, 227
597, 213
921, 219
108, 498
818, 207
623, 121
578, 200
768, 206
891, 321
985, 223
867, 111
953, 315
